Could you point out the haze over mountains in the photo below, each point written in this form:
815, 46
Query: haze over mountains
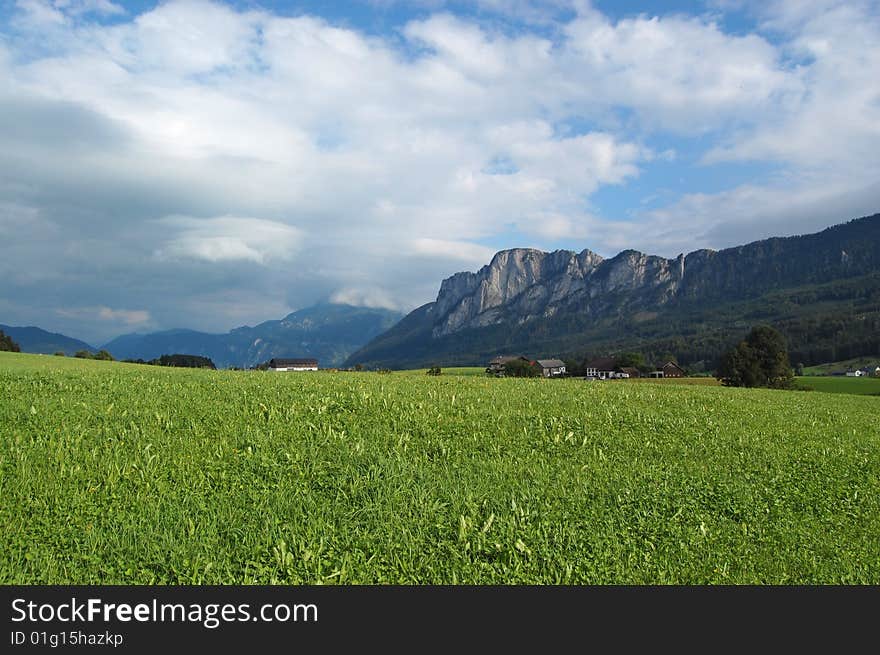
822, 290
326, 332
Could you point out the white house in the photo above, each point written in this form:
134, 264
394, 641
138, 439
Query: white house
602, 368
279, 364
853, 374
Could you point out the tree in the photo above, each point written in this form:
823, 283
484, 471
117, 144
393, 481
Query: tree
103, 354
7, 344
518, 368
83, 354
761, 360
630, 360
184, 361
60, 353
434, 370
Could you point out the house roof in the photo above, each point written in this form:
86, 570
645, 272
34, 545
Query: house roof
280, 362
630, 370
601, 364
674, 365
550, 363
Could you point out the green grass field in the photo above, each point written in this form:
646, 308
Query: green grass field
839, 384
700, 382
117, 473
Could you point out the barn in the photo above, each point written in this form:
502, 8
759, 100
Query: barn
673, 370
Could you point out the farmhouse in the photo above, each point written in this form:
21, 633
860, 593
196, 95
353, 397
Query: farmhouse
551, 367
498, 364
602, 368
630, 371
672, 370
280, 364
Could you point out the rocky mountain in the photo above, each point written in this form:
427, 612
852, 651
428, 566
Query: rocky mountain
327, 332
564, 302
36, 340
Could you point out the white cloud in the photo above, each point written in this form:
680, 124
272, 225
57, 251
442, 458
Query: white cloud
229, 238
129, 317
79, 7
364, 297
124, 317
472, 253
837, 122
679, 73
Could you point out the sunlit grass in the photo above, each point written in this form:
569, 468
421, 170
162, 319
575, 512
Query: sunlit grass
113, 473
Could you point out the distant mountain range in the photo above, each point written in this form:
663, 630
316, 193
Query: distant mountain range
821, 290
36, 340
326, 332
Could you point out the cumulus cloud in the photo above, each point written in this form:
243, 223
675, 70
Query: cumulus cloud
195, 152
679, 73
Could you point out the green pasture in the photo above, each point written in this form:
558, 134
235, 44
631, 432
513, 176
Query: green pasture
120, 473
863, 386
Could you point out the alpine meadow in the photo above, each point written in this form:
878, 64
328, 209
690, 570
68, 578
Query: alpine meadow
119, 473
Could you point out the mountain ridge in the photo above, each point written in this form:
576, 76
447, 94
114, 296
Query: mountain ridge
328, 332
534, 295
33, 339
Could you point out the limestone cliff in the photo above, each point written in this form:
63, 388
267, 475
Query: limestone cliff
530, 299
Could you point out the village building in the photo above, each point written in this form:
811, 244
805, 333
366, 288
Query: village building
602, 368
857, 373
551, 367
630, 371
282, 364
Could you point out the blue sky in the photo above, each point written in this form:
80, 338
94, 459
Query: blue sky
206, 164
